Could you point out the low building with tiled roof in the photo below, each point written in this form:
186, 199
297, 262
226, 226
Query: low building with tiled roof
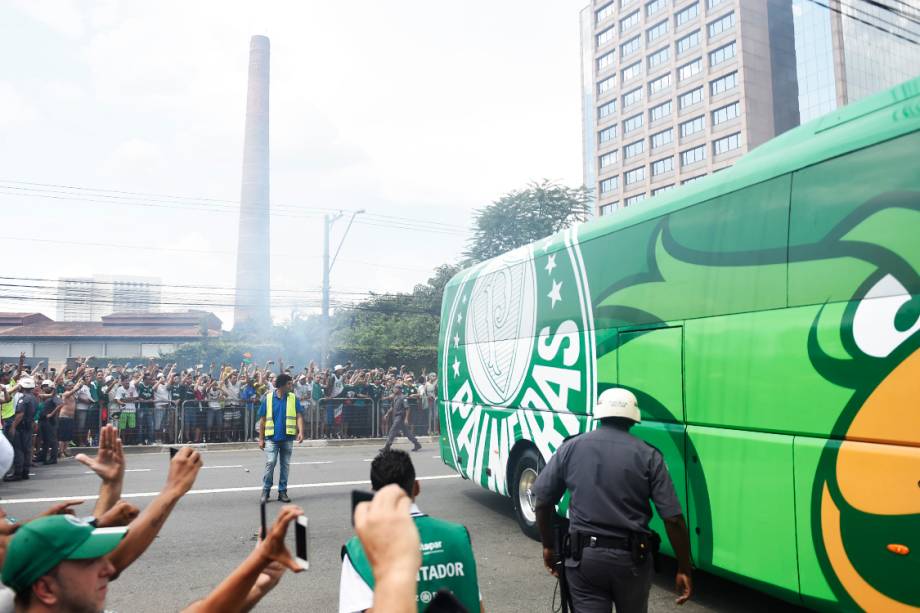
120, 335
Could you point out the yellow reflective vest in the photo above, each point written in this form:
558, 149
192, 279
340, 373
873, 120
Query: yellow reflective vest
290, 415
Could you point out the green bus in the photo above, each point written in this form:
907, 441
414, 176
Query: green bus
768, 320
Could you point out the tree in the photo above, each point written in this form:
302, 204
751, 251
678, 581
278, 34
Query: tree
524, 216
393, 330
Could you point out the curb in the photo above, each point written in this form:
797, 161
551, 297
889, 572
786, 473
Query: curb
248, 445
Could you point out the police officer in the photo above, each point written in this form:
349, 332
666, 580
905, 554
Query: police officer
22, 428
611, 475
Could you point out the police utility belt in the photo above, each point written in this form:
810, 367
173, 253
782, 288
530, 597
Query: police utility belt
639, 544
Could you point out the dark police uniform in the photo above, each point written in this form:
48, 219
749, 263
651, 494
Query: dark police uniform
22, 438
611, 475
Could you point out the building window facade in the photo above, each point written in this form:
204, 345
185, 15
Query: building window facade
630, 47
687, 15
631, 98
660, 111
629, 21
633, 200
632, 124
605, 12
662, 166
694, 96
631, 72
606, 61
692, 126
693, 155
725, 113
714, 3
663, 188
688, 42
606, 36
658, 58
655, 7
656, 31
722, 54
660, 139
692, 179
606, 85
633, 149
722, 24
609, 185
631, 177
605, 110
726, 143
607, 135
660, 84
723, 84
607, 209
690, 69
608, 159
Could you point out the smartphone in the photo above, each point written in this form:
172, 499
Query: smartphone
264, 531
300, 542
357, 497
172, 452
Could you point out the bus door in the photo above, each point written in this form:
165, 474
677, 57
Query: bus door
650, 364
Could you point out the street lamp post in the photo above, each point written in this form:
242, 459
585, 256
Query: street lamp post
328, 220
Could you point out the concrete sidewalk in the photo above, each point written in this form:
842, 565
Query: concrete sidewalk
322, 442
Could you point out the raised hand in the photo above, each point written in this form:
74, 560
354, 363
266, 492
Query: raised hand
183, 470
122, 514
388, 534
62, 508
109, 462
273, 548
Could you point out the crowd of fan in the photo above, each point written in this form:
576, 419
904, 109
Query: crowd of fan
156, 403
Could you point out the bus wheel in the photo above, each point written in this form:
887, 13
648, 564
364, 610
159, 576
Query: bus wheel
526, 469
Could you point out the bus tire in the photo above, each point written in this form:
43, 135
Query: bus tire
528, 466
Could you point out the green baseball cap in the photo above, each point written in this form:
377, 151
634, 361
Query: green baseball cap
40, 545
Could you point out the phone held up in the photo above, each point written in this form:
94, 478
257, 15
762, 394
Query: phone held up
357, 497
300, 542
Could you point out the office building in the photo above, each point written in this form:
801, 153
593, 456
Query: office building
674, 90
91, 298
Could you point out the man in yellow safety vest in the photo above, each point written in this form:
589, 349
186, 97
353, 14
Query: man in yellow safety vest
280, 424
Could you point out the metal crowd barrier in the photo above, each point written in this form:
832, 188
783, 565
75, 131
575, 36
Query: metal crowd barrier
345, 418
201, 421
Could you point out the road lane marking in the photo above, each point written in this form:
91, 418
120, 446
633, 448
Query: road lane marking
127, 470
224, 466
221, 490
315, 462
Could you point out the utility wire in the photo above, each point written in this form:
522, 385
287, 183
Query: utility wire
892, 24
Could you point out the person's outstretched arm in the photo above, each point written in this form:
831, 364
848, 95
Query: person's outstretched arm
183, 469
391, 542
233, 594
109, 465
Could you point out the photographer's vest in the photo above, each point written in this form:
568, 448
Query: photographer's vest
290, 415
447, 562
9, 408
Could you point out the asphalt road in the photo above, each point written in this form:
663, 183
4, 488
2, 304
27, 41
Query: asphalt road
214, 527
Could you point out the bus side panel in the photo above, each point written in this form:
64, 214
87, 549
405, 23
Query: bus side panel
668, 438
859, 522
742, 507
753, 371
815, 589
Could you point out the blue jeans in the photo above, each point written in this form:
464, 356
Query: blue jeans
272, 450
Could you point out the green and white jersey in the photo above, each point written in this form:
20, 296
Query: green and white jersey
447, 563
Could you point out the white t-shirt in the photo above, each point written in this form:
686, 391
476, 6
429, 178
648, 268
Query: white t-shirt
121, 393
84, 398
337, 386
161, 396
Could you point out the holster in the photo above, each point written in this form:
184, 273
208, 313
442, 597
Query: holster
642, 545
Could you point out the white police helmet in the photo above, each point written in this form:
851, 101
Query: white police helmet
617, 402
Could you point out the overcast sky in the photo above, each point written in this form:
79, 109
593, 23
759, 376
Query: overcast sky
424, 109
